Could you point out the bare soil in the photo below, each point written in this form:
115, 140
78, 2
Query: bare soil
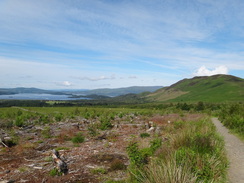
235, 152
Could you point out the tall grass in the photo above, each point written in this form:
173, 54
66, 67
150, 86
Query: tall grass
159, 171
193, 154
232, 116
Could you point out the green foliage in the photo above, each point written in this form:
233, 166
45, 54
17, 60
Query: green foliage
200, 106
115, 181
139, 157
44, 119
61, 148
178, 124
46, 132
217, 88
55, 172
105, 122
135, 155
59, 117
232, 116
19, 121
78, 138
155, 144
92, 130
99, 170
194, 154
144, 135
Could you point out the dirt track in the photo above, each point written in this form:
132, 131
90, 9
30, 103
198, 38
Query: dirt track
235, 152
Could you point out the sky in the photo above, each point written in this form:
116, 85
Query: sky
88, 44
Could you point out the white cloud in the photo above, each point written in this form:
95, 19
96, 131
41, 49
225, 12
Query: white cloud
97, 78
66, 83
63, 83
203, 71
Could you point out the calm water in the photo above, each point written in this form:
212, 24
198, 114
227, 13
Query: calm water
30, 96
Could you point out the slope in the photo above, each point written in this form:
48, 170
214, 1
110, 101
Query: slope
217, 88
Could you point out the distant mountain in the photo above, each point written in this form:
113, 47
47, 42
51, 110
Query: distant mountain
120, 91
10, 91
217, 88
97, 93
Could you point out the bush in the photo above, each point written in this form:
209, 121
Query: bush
46, 132
144, 135
117, 165
232, 117
78, 138
55, 172
135, 155
155, 144
105, 123
194, 154
59, 117
19, 121
92, 130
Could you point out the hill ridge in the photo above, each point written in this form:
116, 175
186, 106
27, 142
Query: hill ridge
216, 88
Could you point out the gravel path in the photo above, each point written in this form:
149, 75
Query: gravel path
235, 153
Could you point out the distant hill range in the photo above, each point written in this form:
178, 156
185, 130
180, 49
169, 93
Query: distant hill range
76, 93
119, 91
217, 88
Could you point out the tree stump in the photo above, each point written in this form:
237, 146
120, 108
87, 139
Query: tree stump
59, 162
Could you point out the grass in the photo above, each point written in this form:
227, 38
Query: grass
46, 132
232, 117
144, 135
99, 170
78, 138
54, 172
193, 154
218, 88
193, 151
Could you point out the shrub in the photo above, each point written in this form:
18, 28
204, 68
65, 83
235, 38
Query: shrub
59, 117
135, 155
117, 165
55, 172
232, 117
46, 132
155, 144
19, 121
144, 135
105, 123
92, 130
78, 138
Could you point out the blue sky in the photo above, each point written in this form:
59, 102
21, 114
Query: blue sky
87, 44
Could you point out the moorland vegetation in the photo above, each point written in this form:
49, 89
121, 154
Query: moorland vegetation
148, 137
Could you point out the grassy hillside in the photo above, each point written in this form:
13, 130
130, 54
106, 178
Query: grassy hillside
217, 88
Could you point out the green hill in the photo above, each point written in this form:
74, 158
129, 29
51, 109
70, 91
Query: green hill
217, 88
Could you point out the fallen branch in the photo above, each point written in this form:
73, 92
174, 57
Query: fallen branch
1, 141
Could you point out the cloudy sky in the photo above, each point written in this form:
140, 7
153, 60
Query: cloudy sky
87, 44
